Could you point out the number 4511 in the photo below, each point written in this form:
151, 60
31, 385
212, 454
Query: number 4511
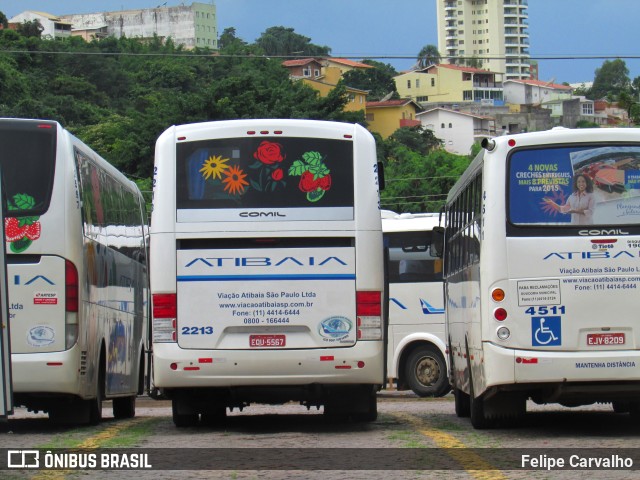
555, 310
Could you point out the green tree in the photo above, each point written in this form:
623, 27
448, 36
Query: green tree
3, 20
30, 28
428, 55
282, 41
378, 81
610, 79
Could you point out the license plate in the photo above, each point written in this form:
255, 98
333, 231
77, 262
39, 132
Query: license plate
267, 340
596, 339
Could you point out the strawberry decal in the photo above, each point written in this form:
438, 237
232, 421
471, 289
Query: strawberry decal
315, 177
20, 232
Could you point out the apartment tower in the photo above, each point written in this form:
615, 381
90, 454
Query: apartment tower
491, 34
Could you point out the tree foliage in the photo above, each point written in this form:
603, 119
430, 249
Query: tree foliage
428, 55
378, 81
283, 41
418, 172
610, 79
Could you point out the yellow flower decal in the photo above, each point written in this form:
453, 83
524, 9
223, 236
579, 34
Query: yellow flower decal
214, 167
235, 180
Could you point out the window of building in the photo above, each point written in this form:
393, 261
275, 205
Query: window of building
433, 82
450, 125
417, 83
316, 72
422, 99
306, 72
408, 83
442, 125
369, 117
587, 108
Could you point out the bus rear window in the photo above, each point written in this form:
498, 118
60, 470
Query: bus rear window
411, 259
265, 178
577, 185
27, 156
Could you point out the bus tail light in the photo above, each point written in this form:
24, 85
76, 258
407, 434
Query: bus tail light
165, 307
369, 314
71, 289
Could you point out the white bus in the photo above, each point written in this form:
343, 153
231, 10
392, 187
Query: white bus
267, 275
542, 274
76, 264
416, 343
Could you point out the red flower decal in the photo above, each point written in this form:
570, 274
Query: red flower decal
277, 174
269, 153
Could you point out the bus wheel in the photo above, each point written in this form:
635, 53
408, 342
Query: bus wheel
182, 414
124, 407
462, 405
95, 404
479, 419
426, 372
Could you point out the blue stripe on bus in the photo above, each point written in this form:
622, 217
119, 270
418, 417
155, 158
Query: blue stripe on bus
236, 278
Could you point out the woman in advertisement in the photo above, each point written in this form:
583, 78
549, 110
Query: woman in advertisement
580, 203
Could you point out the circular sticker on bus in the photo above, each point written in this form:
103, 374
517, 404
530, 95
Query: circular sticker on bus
335, 327
41, 336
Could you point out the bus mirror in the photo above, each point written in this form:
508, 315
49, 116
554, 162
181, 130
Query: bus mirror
381, 175
437, 241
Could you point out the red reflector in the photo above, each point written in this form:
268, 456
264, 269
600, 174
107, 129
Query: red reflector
343, 367
182, 138
43, 125
500, 314
360, 364
348, 136
173, 366
54, 364
251, 132
512, 142
603, 241
192, 368
264, 132
164, 305
71, 286
327, 358
205, 360
529, 360
277, 132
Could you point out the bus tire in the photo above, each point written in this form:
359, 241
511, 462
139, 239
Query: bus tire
478, 417
426, 372
124, 407
181, 418
462, 403
94, 405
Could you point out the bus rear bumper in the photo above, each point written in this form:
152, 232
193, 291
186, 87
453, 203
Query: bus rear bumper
552, 376
48, 373
174, 367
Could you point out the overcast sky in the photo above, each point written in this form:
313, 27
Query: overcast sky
395, 31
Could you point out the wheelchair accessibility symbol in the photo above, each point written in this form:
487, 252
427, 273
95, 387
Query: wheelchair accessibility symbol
546, 331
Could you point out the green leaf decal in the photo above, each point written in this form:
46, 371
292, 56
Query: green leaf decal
298, 168
23, 201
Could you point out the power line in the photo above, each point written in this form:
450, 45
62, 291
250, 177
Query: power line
215, 55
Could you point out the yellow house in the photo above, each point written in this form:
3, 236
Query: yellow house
324, 74
357, 98
450, 83
387, 116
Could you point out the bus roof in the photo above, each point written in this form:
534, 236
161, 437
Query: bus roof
408, 222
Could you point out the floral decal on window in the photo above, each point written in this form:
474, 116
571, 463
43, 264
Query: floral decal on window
315, 177
269, 156
20, 232
263, 169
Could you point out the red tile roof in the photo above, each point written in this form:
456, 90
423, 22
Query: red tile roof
299, 62
540, 83
462, 68
349, 63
